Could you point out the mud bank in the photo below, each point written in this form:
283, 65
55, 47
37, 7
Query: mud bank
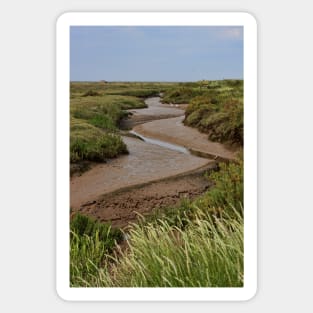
155, 111
153, 174
123, 206
174, 131
144, 163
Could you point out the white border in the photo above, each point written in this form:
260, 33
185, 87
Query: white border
250, 155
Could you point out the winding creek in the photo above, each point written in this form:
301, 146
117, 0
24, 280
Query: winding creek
161, 143
161, 152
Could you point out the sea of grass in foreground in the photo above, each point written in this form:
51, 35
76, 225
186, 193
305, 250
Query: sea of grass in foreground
198, 244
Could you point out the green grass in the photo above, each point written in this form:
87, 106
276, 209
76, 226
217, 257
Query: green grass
95, 117
137, 89
96, 109
88, 142
225, 196
206, 253
180, 95
90, 241
218, 111
198, 244
111, 106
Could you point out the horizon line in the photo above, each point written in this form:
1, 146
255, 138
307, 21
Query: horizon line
150, 81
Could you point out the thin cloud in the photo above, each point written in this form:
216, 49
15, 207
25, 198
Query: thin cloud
232, 33
156, 53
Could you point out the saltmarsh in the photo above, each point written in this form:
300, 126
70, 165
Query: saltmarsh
214, 107
96, 108
196, 244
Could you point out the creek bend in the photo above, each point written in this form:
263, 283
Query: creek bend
154, 159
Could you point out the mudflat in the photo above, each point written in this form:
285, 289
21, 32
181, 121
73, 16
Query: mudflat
144, 163
150, 176
174, 131
124, 205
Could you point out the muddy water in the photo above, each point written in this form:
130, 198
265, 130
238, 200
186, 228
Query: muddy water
146, 161
157, 109
161, 143
175, 132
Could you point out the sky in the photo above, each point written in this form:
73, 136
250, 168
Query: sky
155, 53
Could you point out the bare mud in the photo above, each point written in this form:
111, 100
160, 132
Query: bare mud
155, 111
144, 163
174, 131
125, 205
154, 174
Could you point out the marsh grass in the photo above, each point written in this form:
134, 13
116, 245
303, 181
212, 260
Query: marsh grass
94, 125
214, 107
198, 244
180, 95
90, 241
223, 197
88, 142
206, 253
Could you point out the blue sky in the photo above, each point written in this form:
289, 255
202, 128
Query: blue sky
158, 53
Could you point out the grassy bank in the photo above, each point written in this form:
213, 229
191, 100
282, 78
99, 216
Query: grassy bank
214, 107
90, 241
88, 142
96, 109
198, 244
